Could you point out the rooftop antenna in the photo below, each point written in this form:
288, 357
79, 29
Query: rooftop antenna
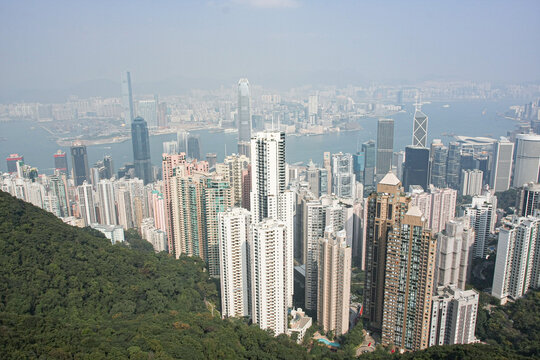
418, 101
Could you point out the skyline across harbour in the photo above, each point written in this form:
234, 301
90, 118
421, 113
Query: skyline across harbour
474, 118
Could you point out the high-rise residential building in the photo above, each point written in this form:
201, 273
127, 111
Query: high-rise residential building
169, 163
162, 118
385, 146
501, 165
196, 202
453, 169
234, 262
384, 211
244, 117
153, 235
420, 129
471, 182
79, 157
127, 98
148, 110
313, 224
313, 108
517, 267
527, 157
268, 283
438, 166
235, 165
482, 214
182, 139
59, 188
141, 150
408, 283
60, 162
437, 205
334, 282
416, 167
87, 207
453, 316
12, 161
107, 208
529, 199
269, 197
123, 205
343, 178
368, 148
194, 147
454, 253
108, 164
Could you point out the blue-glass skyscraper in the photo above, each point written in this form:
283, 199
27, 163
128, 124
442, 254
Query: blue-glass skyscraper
141, 150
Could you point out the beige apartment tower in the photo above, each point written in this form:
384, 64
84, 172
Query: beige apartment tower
334, 282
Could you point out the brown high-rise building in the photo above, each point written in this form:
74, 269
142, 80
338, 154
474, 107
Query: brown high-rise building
385, 210
408, 285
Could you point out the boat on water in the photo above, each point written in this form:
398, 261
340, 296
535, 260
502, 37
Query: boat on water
446, 106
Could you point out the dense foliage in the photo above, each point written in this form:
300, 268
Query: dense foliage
67, 292
507, 200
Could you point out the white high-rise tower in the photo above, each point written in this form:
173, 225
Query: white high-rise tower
244, 117
269, 197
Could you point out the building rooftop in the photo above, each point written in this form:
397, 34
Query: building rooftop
390, 179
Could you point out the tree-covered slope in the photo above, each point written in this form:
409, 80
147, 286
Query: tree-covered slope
68, 293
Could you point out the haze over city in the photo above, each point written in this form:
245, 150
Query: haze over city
270, 179
57, 48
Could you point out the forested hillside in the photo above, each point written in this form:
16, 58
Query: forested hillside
66, 291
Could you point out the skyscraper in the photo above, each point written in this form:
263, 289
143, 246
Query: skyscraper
234, 262
471, 182
501, 166
368, 148
454, 253
79, 157
244, 117
269, 197
453, 165
268, 285
517, 267
453, 316
127, 98
60, 162
182, 139
107, 208
327, 164
420, 128
148, 110
385, 146
416, 167
193, 147
12, 161
141, 150
438, 166
529, 199
527, 167
482, 214
408, 283
343, 178
86, 202
384, 211
334, 282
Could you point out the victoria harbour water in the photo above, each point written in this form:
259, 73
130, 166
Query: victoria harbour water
472, 118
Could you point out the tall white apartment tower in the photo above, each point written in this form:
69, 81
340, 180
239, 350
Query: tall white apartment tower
482, 217
501, 166
87, 208
268, 288
517, 267
234, 225
107, 209
269, 197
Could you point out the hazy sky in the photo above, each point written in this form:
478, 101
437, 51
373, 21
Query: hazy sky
60, 44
